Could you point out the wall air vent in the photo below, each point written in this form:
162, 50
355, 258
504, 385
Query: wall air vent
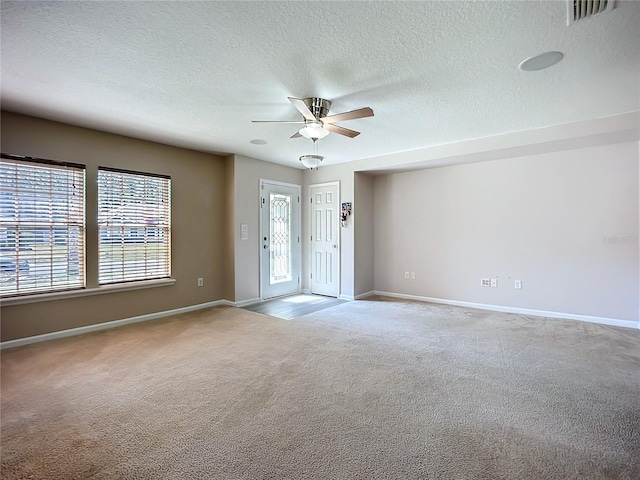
581, 9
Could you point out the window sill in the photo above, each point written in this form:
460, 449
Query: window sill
120, 287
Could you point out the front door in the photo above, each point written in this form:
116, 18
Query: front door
280, 239
325, 257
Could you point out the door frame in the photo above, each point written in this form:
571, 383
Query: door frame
260, 248
335, 183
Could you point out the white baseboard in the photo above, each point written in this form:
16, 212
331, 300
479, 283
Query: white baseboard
152, 316
524, 311
244, 303
306, 290
365, 295
106, 325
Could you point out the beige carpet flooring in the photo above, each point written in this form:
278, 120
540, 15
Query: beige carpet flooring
373, 389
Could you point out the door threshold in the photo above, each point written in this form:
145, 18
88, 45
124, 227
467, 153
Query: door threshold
293, 306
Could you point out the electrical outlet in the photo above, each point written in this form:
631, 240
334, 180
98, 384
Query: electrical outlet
413, 275
518, 284
485, 282
406, 274
494, 282
200, 282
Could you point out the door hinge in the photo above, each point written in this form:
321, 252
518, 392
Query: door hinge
312, 238
311, 200
311, 275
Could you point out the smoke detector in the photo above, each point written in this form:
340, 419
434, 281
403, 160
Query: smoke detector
581, 9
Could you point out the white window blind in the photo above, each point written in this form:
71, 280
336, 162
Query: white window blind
42, 225
134, 221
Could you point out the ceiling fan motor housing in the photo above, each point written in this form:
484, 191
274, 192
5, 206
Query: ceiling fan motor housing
319, 106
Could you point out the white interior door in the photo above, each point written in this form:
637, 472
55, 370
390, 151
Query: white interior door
325, 236
279, 239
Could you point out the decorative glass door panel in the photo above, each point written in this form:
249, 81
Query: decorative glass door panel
280, 239
280, 235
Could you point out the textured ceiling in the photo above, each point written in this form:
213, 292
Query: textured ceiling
194, 74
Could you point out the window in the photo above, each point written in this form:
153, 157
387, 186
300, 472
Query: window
42, 225
134, 226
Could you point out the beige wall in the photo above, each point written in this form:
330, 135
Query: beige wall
230, 254
247, 175
363, 223
199, 213
541, 219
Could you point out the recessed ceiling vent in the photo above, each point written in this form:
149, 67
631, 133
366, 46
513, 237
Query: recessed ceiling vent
581, 9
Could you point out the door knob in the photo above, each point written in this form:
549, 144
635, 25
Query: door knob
334, 246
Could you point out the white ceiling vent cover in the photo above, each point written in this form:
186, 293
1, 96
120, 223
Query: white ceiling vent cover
581, 9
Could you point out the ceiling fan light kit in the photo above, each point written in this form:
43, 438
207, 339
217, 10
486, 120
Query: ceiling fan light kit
313, 131
311, 161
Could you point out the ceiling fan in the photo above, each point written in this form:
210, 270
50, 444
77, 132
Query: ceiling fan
316, 122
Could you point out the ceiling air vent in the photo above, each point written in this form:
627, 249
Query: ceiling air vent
581, 9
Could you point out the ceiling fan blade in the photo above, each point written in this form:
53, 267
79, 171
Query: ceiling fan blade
302, 108
273, 121
353, 114
296, 135
341, 130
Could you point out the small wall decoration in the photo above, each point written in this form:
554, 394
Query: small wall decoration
346, 211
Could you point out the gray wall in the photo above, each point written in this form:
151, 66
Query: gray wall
363, 223
548, 220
